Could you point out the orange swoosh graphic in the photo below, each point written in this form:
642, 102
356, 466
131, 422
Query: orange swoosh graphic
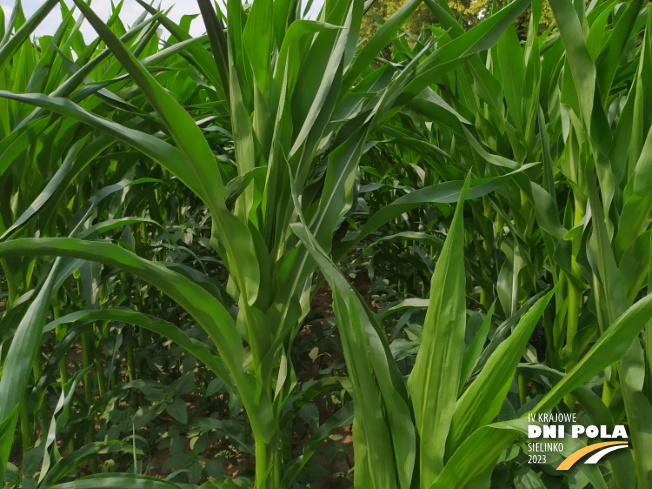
575, 456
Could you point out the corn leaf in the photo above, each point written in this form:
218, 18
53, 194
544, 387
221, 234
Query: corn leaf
441, 352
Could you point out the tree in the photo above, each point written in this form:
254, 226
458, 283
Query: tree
469, 11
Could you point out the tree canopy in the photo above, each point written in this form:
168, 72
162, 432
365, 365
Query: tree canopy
470, 11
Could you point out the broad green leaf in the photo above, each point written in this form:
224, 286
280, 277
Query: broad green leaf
474, 349
482, 401
357, 329
7, 431
446, 192
24, 346
580, 61
178, 410
203, 306
258, 39
160, 151
512, 69
111, 481
637, 208
609, 60
612, 345
478, 453
182, 127
639, 410
441, 353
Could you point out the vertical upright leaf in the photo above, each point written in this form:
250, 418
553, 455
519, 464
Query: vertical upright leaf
441, 354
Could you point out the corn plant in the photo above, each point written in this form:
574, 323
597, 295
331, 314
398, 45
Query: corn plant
573, 102
268, 145
302, 103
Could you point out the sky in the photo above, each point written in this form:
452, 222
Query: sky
130, 12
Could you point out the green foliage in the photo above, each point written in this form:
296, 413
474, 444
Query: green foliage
381, 10
178, 216
469, 12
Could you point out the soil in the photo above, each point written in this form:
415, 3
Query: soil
307, 369
337, 462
